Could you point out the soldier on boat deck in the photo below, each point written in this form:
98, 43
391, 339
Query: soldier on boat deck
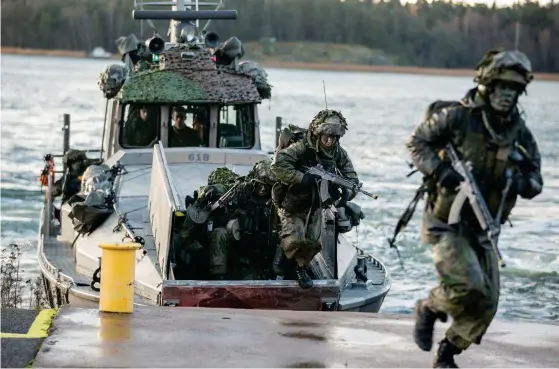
296, 193
487, 129
249, 217
69, 184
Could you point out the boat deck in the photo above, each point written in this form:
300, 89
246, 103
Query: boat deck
198, 337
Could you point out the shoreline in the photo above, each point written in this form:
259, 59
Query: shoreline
293, 65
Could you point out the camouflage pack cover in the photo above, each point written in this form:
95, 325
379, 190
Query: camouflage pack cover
259, 77
498, 64
111, 80
222, 175
330, 122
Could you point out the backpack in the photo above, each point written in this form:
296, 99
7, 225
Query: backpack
438, 105
288, 136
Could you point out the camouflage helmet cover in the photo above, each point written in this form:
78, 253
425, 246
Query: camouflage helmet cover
330, 122
73, 156
111, 79
262, 173
502, 65
222, 175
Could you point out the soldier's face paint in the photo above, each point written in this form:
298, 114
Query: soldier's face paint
327, 140
263, 190
504, 96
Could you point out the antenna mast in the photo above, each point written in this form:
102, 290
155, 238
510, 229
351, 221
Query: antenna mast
325, 100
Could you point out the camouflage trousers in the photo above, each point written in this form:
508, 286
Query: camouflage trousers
218, 247
300, 244
469, 287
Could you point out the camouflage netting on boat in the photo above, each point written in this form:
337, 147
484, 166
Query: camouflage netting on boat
111, 80
220, 85
161, 86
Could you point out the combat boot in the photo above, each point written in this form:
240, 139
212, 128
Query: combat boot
444, 357
425, 324
303, 278
279, 262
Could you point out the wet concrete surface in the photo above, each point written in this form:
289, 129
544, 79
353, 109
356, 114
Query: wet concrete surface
17, 320
198, 337
18, 352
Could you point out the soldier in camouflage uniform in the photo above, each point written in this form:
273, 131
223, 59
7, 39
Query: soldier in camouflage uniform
487, 129
76, 162
247, 217
141, 128
297, 195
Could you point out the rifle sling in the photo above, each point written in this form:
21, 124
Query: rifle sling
408, 213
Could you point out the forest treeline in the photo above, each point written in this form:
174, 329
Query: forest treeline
437, 34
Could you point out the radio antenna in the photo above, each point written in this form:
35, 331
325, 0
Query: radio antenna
325, 100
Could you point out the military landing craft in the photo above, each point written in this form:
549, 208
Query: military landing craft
138, 192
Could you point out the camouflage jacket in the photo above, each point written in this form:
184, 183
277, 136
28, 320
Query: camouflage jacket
186, 137
140, 133
463, 125
286, 166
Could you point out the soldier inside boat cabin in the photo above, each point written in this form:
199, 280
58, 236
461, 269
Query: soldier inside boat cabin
180, 135
487, 129
296, 193
142, 126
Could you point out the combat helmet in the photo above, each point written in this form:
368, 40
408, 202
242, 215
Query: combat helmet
513, 66
262, 173
330, 122
73, 156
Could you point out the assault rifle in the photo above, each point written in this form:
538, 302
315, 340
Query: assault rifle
336, 179
200, 215
470, 191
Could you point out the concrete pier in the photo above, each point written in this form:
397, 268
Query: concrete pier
203, 337
23, 331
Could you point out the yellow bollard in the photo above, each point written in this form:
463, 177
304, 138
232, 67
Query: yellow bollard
118, 272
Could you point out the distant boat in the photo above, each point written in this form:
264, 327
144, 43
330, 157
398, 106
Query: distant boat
100, 53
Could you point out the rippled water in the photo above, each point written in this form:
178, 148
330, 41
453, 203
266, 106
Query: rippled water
382, 110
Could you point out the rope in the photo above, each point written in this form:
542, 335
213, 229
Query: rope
96, 279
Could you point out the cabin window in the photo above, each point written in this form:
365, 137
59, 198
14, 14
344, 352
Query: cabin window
236, 126
140, 126
189, 126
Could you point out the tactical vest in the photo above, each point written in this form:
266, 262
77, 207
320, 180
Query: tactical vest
489, 161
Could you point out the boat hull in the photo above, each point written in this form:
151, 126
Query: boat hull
283, 295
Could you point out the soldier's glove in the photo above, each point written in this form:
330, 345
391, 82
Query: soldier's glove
210, 194
188, 200
447, 176
524, 186
309, 179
